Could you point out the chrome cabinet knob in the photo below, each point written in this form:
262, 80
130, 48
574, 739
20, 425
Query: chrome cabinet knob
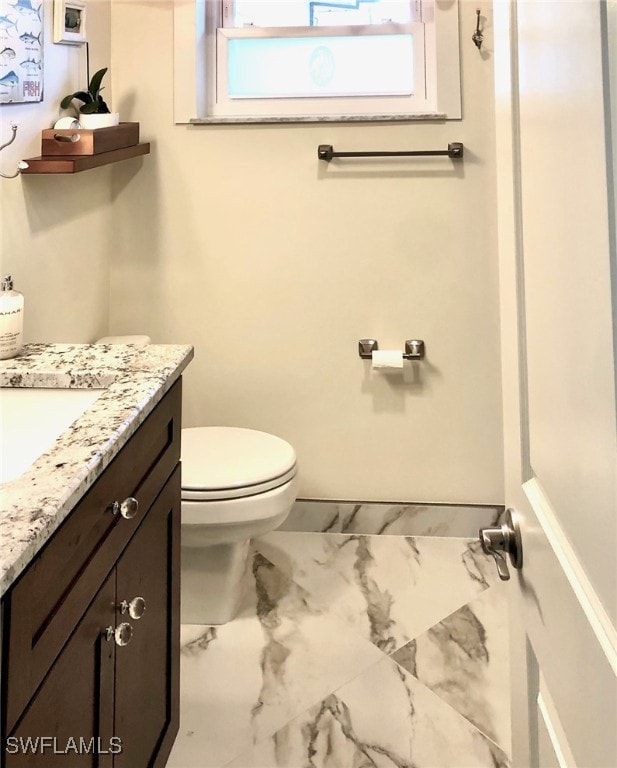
135, 608
504, 540
121, 635
127, 508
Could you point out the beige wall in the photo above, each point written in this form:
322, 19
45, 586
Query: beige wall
55, 229
236, 239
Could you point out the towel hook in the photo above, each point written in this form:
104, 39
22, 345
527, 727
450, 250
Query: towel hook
21, 165
478, 37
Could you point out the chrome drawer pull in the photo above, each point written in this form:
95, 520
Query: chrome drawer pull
135, 609
127, 508
122, 634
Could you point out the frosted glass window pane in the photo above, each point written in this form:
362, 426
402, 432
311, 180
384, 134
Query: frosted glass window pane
363, 65
304, 13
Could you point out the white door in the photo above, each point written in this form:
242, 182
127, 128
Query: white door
554, 60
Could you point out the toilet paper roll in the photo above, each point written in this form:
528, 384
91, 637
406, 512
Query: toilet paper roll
67, 122
387, 361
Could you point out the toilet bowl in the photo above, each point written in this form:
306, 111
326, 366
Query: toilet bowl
236, 484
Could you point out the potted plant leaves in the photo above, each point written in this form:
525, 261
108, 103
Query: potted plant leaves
93, 111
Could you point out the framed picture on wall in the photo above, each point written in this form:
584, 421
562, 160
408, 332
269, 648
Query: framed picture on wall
21, 51
70, 22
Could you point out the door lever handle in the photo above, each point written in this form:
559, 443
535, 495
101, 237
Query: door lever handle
504, 540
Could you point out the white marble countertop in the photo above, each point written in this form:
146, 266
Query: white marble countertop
135, 378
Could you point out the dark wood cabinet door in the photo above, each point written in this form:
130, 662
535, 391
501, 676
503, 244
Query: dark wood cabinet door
147, 683
69, 721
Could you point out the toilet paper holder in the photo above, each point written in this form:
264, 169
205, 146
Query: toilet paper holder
414, 349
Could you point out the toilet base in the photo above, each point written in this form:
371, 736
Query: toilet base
212, 582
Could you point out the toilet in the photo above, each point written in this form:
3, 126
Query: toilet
236, 484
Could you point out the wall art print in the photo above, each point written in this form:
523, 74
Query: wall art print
69, 22
21, 51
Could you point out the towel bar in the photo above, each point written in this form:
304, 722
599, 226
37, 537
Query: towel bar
454, 152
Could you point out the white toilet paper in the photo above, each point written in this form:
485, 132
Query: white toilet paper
67, 122
387, 361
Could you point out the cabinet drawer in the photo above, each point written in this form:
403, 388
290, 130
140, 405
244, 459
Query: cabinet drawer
54, 592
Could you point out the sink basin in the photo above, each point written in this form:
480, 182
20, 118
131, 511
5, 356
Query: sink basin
30, 421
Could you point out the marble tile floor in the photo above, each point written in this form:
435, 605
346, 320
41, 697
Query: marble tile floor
352, 651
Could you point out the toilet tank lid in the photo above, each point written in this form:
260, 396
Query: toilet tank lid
232, 457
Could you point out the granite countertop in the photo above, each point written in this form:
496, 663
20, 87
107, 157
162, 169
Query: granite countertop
135, 378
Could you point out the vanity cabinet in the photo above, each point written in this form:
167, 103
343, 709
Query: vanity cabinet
84, 662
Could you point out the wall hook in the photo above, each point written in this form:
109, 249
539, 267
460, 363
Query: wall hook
478, 37
21, 165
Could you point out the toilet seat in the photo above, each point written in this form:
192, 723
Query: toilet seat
233, 463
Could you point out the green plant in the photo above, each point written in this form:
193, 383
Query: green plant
92, 100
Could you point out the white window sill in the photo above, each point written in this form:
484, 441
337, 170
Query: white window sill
319, 119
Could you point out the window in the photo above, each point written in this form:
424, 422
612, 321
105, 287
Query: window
322, 59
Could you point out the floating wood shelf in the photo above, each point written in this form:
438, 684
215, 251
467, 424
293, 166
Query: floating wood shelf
77, 163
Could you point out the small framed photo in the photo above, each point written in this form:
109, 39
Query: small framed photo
70, 22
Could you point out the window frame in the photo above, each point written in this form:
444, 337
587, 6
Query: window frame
228, 11
195, 73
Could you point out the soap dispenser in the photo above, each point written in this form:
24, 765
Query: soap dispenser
11, 319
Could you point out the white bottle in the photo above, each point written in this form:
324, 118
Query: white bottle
11, 319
